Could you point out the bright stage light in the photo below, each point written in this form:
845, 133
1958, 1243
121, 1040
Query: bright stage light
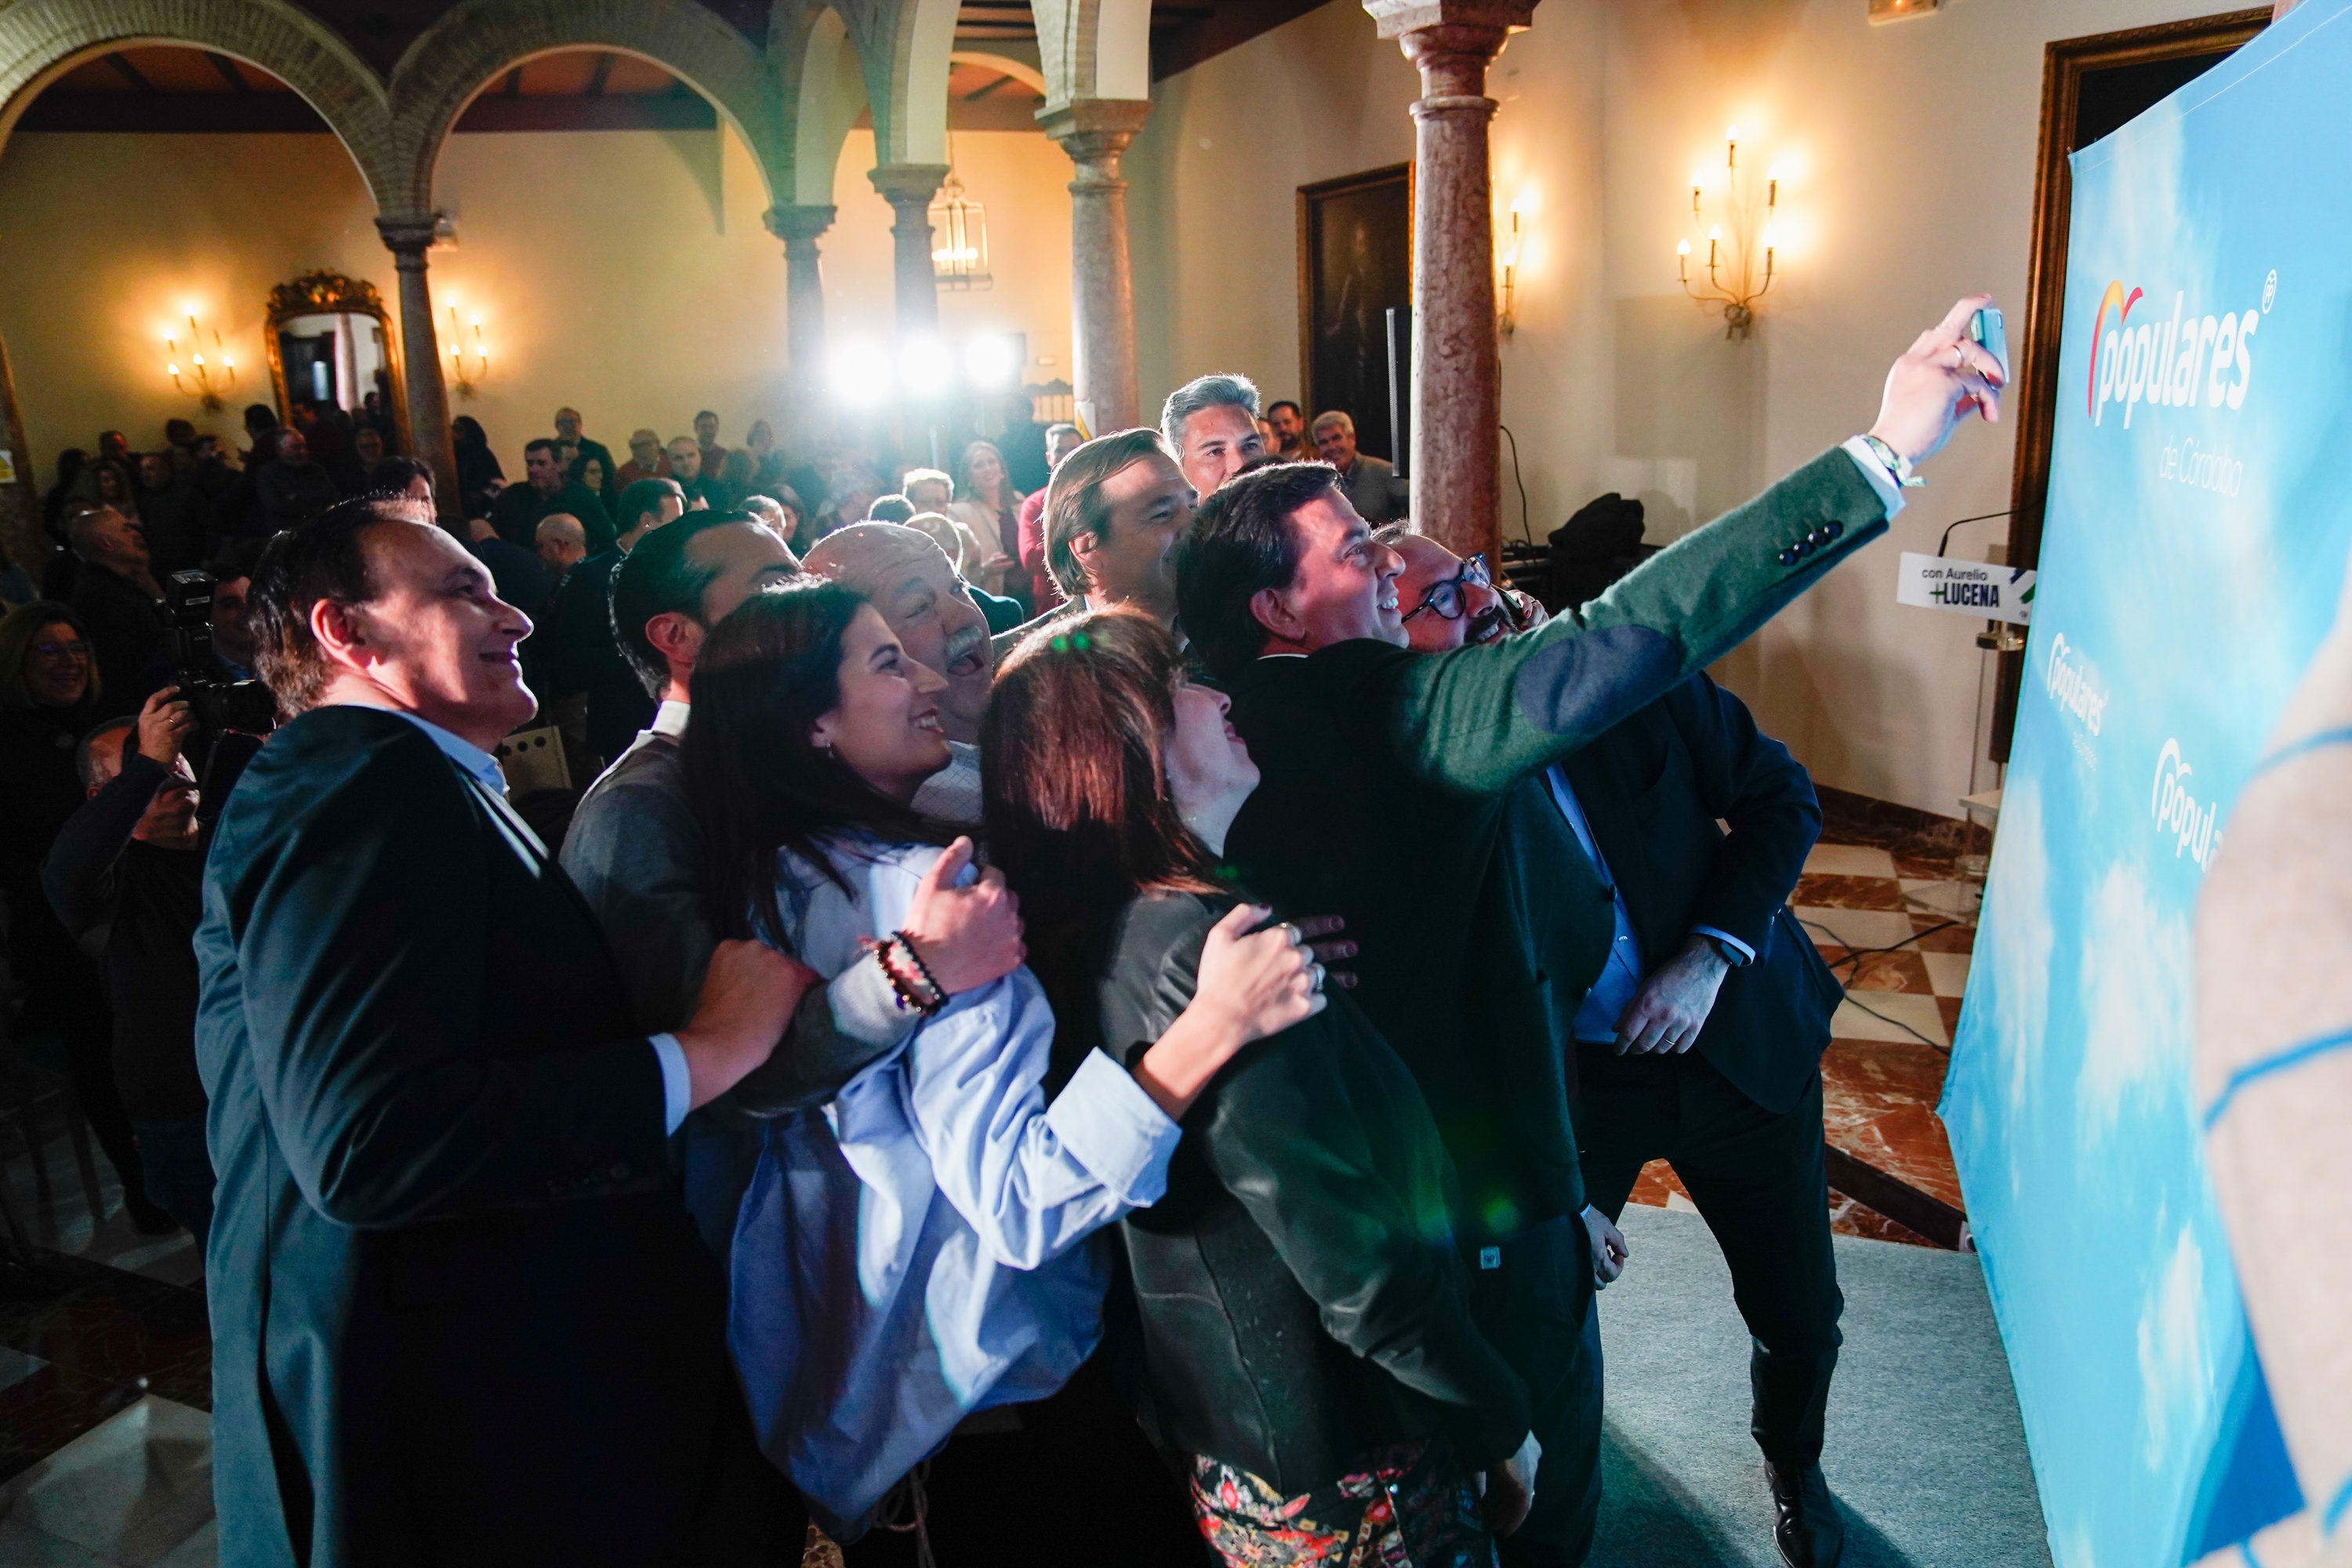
860, 374
925, 367
990, 362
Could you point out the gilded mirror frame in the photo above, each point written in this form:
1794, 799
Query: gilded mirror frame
327, 293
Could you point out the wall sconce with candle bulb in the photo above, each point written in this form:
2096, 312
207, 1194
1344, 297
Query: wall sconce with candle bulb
1733, 285
207, 383
462, 379
1507, 319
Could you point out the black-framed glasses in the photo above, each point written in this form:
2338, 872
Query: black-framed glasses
62, 652
1445, 597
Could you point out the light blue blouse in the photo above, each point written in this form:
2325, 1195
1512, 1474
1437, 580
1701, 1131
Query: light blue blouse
912, 1252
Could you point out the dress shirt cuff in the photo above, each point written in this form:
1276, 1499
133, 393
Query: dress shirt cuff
677, 1084
1111, 1127
1890, 494
1746, 953
867, 1009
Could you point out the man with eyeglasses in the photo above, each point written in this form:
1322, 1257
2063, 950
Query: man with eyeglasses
1701, 1042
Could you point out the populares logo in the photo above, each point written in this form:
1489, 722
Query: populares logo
2075, 686
2178, 815
2177, 363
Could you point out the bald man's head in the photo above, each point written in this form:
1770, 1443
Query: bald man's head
562, 543
906, 575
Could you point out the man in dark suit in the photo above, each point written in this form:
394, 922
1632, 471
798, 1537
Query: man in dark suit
1482, 930
589, 685
458, 1312
1701, 1040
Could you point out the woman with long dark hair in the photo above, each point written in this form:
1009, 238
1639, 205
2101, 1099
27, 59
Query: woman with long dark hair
479, 474
1304, 1314
589, 470
913, 1252
988, 503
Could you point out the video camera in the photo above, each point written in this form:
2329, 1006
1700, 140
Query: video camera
236, 711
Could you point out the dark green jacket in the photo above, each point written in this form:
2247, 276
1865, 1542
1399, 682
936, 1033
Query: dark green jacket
1403, 791
458, 1313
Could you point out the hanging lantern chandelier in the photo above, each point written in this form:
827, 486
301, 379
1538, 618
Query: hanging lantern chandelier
959, 238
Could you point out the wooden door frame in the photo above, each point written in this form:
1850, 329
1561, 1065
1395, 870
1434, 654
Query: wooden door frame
2033, 401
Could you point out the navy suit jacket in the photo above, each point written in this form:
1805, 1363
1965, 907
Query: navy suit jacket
458, 1312
1653, 789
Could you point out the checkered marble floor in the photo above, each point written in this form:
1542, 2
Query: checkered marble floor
1890, 913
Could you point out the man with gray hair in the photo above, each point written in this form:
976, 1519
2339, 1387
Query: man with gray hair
117, 597
1371, 484
1211, 424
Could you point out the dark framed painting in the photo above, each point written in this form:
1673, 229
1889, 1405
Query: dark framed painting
1355, 265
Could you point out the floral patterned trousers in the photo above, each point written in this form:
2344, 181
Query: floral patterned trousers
1406, 1506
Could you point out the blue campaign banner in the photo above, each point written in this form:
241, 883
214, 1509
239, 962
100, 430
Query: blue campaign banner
2195, 546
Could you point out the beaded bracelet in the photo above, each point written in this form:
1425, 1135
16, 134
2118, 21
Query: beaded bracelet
908, 998
907, 945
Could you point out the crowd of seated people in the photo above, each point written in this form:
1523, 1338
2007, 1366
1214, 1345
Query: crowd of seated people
1052, 1031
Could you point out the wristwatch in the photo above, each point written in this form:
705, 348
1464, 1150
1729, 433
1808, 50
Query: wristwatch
1895, 462
1730, 955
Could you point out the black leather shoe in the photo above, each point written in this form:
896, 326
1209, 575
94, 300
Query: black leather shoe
1806, 1525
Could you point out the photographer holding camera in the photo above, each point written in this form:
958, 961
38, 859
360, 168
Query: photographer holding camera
127, 870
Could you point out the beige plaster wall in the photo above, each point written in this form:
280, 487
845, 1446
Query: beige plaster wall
1907, 153
627, 273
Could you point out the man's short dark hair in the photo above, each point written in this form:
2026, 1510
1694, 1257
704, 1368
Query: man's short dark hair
658, 578
1241, 544
1074, 498
259, 417
396, 474
642, 499
540, 444
325, 558
889, 508
1284, 403
701, 414
1061, 428
237, 558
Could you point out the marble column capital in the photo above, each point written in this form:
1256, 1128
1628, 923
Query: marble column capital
908, 184
408, 237
1399, 19
799, 224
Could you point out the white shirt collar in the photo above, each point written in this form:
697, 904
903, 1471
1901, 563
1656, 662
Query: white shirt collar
669, 719
459, 750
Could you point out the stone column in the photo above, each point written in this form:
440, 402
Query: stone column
908, 188
1456, 369
798, 227
420, 364
1094, 132
20, 499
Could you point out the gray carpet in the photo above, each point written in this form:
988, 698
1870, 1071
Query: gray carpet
1925, 1451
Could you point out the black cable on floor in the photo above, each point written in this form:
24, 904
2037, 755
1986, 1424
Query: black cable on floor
1855, 955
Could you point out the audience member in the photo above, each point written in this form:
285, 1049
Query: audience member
70, 463
813, 730
707, 448
49, 698
989, 508
456, 1197
906, 577
1113, 514
1211, 424
931, 493
754, 466
1289, 422
899, 510
1315, 1194
368, 442
114, 446
1371, 484
567, 429
171, 515
117, 597
128, 871
517, 514
106, 480
292, 489
1029, 531
1354, 738
685, 467
646, 461
329, 438
561, 544
232, 570
599, 700
479, 478
771, 514
590, 473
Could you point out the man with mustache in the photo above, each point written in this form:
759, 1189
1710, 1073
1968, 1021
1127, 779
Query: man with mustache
1701, 1043
929, 610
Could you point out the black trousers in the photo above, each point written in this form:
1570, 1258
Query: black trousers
1758, 1181
1534, 1306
